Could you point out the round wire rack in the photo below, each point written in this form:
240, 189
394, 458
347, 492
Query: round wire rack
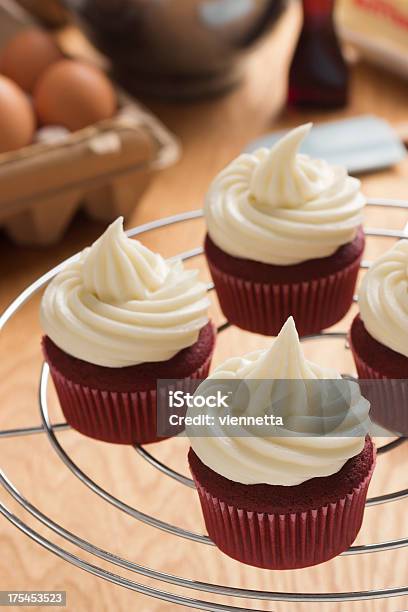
52, 429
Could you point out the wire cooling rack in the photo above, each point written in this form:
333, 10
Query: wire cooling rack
51, 430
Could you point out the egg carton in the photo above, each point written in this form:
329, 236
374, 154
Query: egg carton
104, 167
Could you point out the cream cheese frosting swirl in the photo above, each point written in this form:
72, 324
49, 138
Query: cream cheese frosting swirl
281, 207
383, 299
324, 425
120, 304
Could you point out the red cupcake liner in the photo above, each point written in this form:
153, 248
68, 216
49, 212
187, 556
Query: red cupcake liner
388, 401
263, 308
285, 541
118, 417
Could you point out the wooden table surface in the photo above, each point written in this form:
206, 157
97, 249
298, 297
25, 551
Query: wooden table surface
212, 132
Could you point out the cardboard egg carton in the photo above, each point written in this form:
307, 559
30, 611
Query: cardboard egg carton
105, 168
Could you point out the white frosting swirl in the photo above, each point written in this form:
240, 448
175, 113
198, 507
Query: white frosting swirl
281, 207
120, 304
324, 424
383, 299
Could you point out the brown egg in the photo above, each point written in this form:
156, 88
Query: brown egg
17, 120
74, 94
27, 55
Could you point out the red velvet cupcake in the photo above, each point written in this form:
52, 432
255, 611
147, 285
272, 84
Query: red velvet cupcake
277, 527
279, 498
260, 297
118, 320
284, 239
119, 404
379, 338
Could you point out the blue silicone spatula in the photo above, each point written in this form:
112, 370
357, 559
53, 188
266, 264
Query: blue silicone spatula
361, 144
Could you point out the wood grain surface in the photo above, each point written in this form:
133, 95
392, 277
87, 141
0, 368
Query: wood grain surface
212, 132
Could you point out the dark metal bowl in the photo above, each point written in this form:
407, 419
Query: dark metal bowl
176, 47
